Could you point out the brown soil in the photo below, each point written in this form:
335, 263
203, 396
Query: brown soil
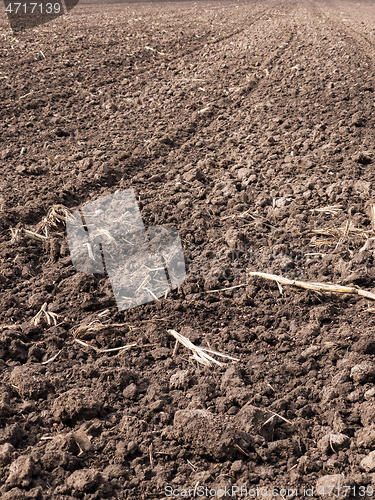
233, 123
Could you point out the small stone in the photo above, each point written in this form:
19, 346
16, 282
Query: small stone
166, 139
160, 353
130, 391
329, 393
85, 164
21, 169
6, 451
231, 378
157, 405
329, 483
192, 175
367, 413
362, 187
210, 283
76, 404
110, 106
85, 480
59, 132
332, 443
30, 381
179, 380
366, 344
366, 437
311, 352
254, 420
82, 439
104, 169
37, 300
234, 237
243, 173
208, 434
370, 393
155, 178
237, 466
13, 494
6, 153
132, 446
20, 472
355, 396
282, 202
251, 179
263, 200
363, 372
368, 463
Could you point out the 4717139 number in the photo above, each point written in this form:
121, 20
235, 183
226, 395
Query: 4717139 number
335, 491
33, 8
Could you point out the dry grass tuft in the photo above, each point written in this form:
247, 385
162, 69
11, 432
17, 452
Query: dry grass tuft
334, 236
355, 236
89, 330
55, 220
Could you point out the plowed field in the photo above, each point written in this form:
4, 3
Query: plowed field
249, 128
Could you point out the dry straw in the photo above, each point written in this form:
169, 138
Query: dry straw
50, 317
123, 348
90, 329
317, 287
54, 221
332, 209
200, 354
336, 235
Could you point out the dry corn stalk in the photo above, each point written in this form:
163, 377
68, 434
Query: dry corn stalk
318, 287
50, 317
16, 232
199, 354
